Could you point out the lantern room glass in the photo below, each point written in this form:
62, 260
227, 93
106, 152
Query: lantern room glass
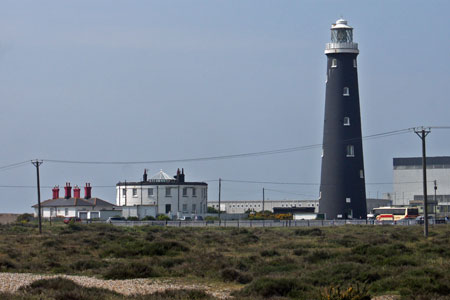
341, 35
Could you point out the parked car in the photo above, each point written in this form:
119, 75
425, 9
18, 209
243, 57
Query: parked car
198, 218
184, 218
113, 219
70, 219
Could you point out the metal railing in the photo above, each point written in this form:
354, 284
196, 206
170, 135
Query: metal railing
330, 46
268, 223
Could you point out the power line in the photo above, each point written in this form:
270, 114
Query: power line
303, 183
15, 165
231, 156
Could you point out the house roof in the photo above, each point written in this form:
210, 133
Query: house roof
161, 176
417, 161
74, 202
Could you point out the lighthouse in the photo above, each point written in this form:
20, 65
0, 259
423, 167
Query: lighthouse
342, 184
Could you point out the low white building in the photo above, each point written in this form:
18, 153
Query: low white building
242, 206
162, 194
84, 208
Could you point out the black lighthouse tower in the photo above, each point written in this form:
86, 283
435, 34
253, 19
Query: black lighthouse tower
342, 186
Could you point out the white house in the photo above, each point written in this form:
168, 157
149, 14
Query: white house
162, 194
84, 208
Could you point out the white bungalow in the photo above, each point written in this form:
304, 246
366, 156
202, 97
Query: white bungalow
84, 208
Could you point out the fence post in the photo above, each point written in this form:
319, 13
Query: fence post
308, 223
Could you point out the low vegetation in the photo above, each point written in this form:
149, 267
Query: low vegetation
346, 262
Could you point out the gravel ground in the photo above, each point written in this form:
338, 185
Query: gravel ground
11, 282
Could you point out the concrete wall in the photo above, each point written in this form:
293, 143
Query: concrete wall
139, 211
409, 182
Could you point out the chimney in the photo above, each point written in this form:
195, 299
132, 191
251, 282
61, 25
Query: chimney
182, 175
55, 191
87, 191
68, 191
76, 192
145, 175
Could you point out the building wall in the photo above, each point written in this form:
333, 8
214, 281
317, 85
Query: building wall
179, 201
72, 211
241, 206
139, 211
409, 182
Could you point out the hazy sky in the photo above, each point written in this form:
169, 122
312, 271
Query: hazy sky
155, 80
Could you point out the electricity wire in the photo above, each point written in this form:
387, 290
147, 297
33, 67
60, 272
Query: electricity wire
222, 157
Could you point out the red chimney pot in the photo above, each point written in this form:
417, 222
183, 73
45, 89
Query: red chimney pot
55, 191
76, 192
87, 191
68, 191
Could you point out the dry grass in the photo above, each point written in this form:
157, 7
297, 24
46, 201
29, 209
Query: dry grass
266, 262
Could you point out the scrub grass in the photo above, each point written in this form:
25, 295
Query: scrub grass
282, 263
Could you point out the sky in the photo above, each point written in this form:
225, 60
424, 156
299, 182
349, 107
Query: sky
140, 80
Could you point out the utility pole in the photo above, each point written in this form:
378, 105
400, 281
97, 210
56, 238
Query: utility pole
220, 190
37, 163
422, 134
435, 199
263, 201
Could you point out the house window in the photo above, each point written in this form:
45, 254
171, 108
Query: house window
168, 208
354, 63
350, 151
194, 192
168, 192
124, 192
184, 192
51, 211
194, 208
150, 192
66, 212
134, 192
334, 63
361, 173
346, 91
184, 207
346, 121
348, 200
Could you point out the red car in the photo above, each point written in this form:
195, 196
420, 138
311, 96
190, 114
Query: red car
69, 219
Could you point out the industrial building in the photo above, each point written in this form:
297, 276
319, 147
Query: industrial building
342, 184
162, 194
242, 206
408, 182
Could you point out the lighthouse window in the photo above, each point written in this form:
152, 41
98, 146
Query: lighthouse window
346, 121
361, 173
350, 151
150, 192
346, 91
348, 200
168, 192
334, 63
354, 63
